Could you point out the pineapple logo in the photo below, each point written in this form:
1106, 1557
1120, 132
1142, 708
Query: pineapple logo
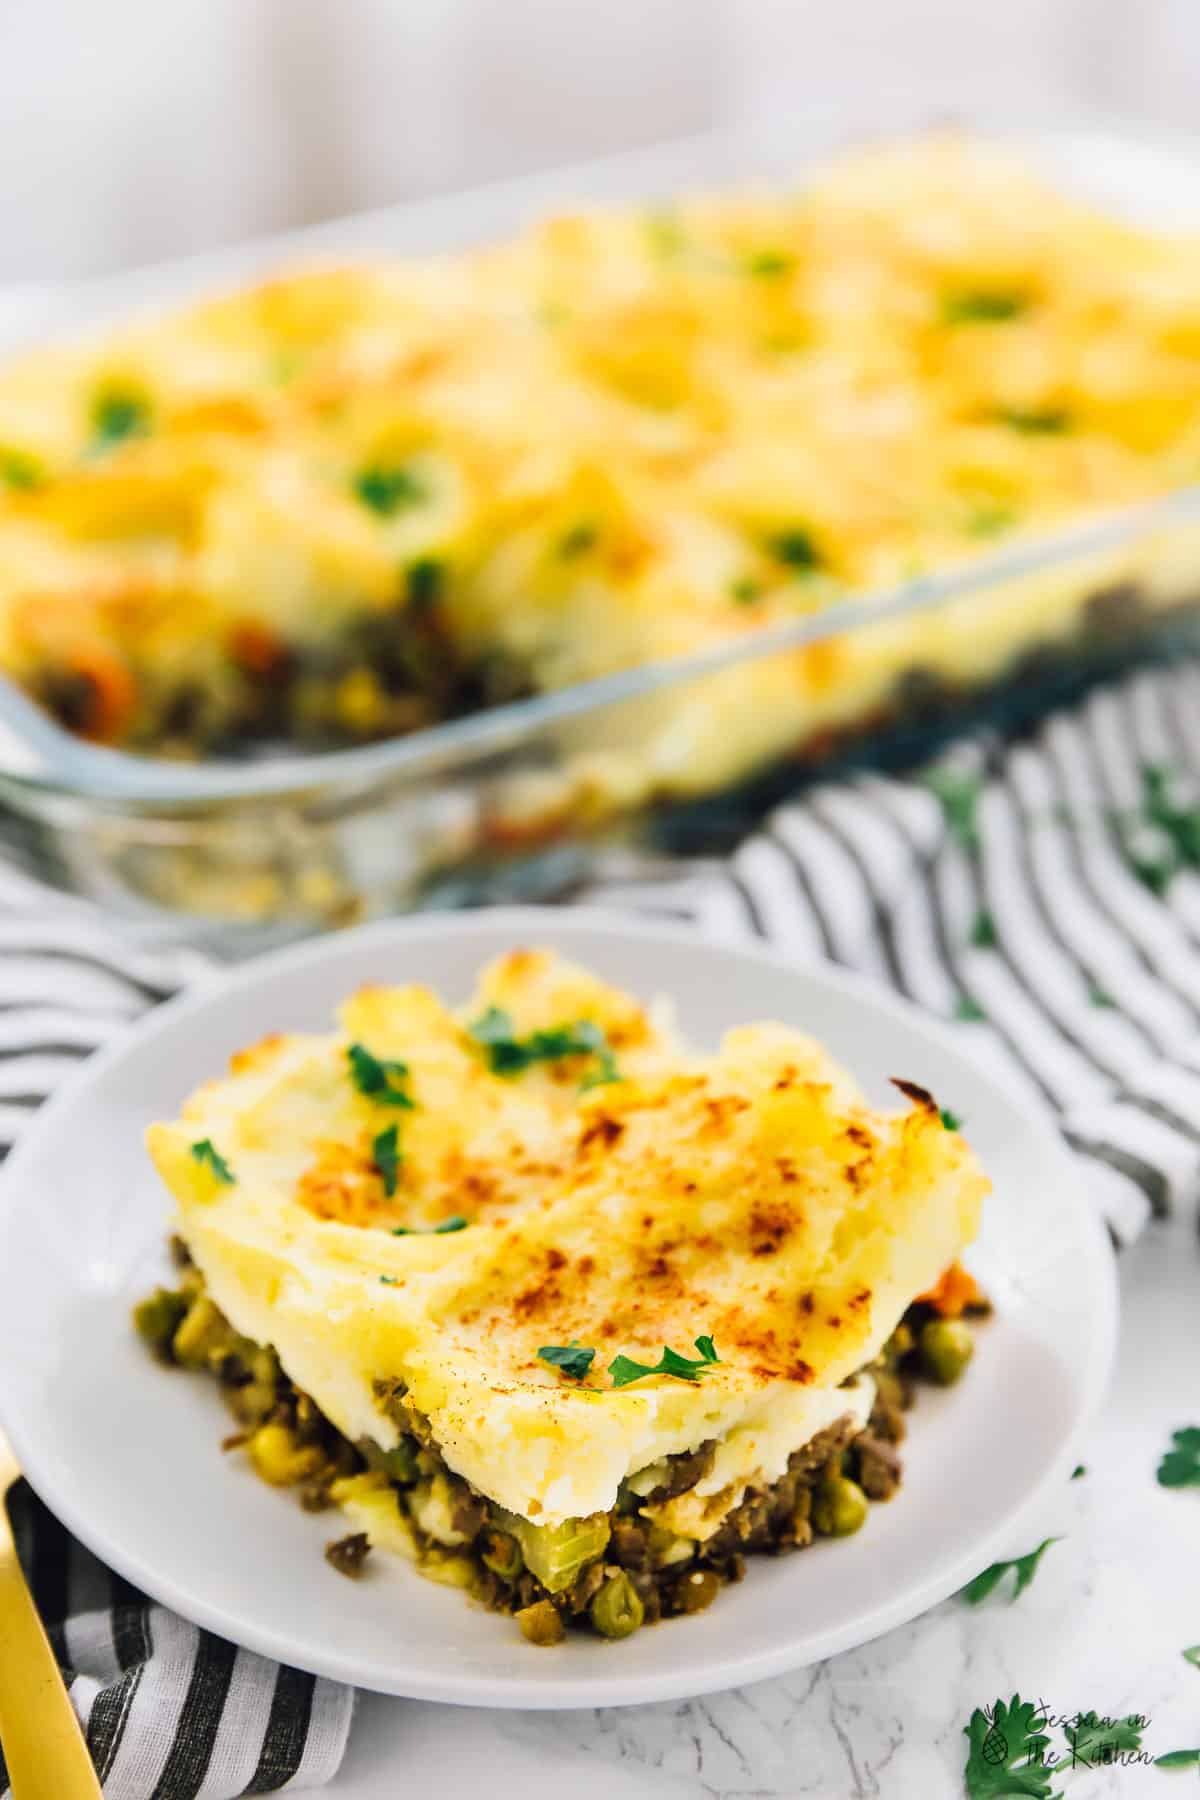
994, 1748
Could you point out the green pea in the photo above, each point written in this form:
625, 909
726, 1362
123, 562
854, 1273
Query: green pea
697, 1591
946, 1348
157, 1318
617, 1609
401, 1463
502, 1555
839, 1507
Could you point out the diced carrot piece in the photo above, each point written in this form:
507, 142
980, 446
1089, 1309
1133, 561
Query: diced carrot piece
952, 1293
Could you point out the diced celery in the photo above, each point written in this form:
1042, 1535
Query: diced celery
556, 1553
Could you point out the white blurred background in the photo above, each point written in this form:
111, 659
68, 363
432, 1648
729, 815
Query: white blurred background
134, 130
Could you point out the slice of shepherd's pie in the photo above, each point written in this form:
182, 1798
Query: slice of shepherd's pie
559, 1310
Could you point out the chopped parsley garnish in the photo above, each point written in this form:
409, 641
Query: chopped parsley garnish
983, 930
769, 263
624, 1369
116, 415
511, 1055
1026, 1567
1165, 836
1036, 421
968, 1010
209, 1157
385, 1148
795, 547
19, 470
1007, 1751
987, 521
1180, 1466
386, 488
958, 792
1079, 1470
425, 581
950, 1120
455, 1222
390, 1280
573, 1359
383, 1082
745, 590
1100, 996
982, 306
1192, 1655
577, 541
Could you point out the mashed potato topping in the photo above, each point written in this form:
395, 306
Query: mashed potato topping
351, 500
423, 1199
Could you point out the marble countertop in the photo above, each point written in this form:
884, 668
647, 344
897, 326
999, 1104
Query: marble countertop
1101, 1628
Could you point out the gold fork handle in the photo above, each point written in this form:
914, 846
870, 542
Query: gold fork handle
43, 1745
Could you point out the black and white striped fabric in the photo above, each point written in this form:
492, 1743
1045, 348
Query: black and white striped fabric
1082, 982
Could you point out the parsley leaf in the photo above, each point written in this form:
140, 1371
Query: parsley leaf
383, 1082
577, 541
425, 580
985, 521
19, 470
1100, 996
1025, 1566
968, 1009
511, 1055
982, 306
1006, 1755
958, 791
207, 1154
385, 488
1078, 1470
950, 1120
1180, 1466
574, 1359
1192, 1655
769, 263
118, 414
388, 1157
745, 590
1178, 1759
1036, 421
795, 547
624, 1369
390, 1280
983, 930
455, 1222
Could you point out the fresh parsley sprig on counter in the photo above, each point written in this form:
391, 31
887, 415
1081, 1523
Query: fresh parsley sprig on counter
384, 1082
624, 1369
1007, 1751
209, 1157
1026, 1568
509, 1054
1180, 1465
572, 1359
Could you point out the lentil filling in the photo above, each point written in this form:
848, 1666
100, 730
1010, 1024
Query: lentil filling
612, 1573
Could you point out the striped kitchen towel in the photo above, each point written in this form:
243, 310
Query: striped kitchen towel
1042, 892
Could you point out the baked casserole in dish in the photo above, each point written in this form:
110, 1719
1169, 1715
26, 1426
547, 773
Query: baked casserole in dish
551, 1306
634, 506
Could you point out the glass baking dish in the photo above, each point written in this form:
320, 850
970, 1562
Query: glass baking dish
680, 754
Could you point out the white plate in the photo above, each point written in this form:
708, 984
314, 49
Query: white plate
127, 1452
